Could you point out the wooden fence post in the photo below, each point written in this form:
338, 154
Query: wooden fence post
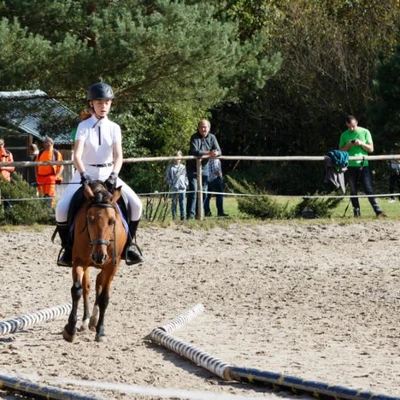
200, 208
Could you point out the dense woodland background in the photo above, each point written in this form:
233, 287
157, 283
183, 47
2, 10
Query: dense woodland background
275, 77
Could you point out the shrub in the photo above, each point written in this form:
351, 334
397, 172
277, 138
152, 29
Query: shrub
261, 205
21, 212
316, 207
264, 207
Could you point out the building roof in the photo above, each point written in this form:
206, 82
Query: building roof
32, 112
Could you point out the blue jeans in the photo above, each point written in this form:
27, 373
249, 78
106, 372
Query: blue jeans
216, 185
353, 175
175, 199
192, 195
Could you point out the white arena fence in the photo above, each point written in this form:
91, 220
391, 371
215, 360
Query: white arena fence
200, 194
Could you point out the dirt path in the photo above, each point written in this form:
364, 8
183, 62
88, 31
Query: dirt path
317, 301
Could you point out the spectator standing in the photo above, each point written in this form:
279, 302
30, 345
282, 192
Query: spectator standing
215, 184
394, 179
177, 180
202, 143
6, 156
357, 141
47, 176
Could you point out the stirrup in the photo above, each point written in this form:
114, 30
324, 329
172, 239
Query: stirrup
60, 259
138, 256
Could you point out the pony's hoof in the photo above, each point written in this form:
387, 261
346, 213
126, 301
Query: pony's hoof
93, 323
68, 336
85, 326
101, 338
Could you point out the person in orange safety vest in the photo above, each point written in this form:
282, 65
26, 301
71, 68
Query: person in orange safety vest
6, 156
47, 176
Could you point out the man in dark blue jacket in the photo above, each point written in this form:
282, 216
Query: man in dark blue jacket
202, 143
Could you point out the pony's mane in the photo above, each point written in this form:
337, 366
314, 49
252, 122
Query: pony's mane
101, 194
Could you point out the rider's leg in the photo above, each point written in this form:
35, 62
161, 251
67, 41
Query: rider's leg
65, 257
133, 256
133, 253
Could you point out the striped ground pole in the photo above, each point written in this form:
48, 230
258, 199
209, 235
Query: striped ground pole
40, 391
182, 319
250, 375
300, 386
199, 357
38, 317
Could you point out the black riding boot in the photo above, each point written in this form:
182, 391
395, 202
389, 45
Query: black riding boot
65, 255
132, 256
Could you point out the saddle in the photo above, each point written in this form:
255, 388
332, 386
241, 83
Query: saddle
76, 202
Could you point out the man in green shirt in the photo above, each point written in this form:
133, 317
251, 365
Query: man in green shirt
357, 141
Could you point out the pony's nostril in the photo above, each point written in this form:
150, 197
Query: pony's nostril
99, 258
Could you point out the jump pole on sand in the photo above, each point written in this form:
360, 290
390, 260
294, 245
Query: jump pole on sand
28, 320
180, 320
254, 376
40, 391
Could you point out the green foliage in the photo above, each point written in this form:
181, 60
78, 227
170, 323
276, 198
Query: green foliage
155, 130
259, 204
169, 62
22, 56
385, 110
277, 76
329, 56
316, 207
21, 212
168, 51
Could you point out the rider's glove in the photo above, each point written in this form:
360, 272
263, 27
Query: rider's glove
85, 178
111, 182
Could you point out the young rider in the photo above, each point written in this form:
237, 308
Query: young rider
98, 156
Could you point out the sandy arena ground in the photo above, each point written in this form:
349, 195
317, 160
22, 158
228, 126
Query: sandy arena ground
319, 301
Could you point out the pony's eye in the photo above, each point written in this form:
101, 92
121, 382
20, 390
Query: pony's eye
111, 222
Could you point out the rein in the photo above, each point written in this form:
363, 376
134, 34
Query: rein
99, 242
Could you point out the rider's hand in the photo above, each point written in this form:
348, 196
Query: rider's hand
85, 178
111, 182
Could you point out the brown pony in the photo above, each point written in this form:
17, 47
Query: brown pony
99, 239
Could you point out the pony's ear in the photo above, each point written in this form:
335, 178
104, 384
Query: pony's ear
87, 191
116, 194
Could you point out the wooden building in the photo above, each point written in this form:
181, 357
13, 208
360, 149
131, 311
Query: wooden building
27, 117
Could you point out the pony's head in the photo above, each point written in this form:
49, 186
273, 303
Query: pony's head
101, 216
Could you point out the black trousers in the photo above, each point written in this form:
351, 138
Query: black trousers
353, 176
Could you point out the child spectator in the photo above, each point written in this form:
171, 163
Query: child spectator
177, 180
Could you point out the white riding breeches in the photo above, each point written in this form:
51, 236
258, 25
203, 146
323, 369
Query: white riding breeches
101, 174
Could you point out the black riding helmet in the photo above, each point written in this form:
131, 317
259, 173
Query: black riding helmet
100, 91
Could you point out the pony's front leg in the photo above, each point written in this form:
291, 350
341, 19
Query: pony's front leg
102, 302
103, 284
76, 293
86, 291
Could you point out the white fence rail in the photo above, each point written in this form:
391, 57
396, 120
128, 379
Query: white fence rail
200, 194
